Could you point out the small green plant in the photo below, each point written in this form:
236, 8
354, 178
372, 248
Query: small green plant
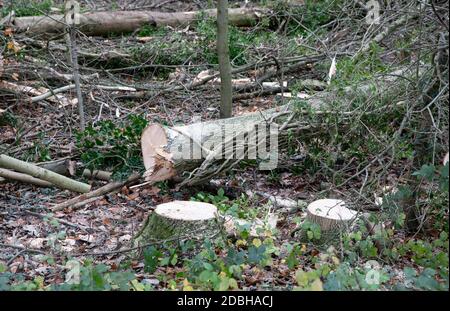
307, 17
28, 8
312, 230
81, 276
240, 208
108, 146
150, 30
7, 118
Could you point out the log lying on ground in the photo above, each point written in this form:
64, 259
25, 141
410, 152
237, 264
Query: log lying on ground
104, 23
195, 153
11, 175
65, 166
41, 173
97, 174
183, 219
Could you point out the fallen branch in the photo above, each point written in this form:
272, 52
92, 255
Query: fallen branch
97, 174
61, 221
84, 199
104, 23
211, 151
8, 174
22, 248
8, 19
64, 166
52, 92
39, 94
41, 173
387, 30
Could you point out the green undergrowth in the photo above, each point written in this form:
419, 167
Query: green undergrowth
27, 8
383, 260
113, 146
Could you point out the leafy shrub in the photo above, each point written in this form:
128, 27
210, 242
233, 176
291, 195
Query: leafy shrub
108, 146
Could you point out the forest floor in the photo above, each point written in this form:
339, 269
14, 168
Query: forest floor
38, 246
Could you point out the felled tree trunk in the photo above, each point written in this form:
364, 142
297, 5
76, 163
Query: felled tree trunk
104, 23
179, 220
197, 152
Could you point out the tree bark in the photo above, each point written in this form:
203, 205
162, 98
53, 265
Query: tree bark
86, 198
195, 153
104, 23
223, 53
41, 173
11, 175
182, 219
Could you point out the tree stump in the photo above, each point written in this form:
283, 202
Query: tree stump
183, 219
331, 215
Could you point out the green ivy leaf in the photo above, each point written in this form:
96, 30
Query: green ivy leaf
151, 258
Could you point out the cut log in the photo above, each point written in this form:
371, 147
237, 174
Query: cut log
41, 173
104, 23
64, 166
97, 174
168, 152
197, 152
179, 219
330, 214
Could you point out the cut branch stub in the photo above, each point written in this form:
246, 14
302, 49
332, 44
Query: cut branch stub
183, 219
330, 214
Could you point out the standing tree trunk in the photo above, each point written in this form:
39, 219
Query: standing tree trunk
223, 54
72, 9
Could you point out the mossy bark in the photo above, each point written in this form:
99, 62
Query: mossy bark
159, 227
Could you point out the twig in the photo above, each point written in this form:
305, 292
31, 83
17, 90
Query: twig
83, 199
52, 92
30, 250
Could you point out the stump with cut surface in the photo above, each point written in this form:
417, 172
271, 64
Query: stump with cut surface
331, 215
183, 219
